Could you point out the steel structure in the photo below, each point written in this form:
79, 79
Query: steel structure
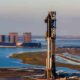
51, 36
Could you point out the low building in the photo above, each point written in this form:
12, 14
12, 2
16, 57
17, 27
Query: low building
13, 37
2, 38
27, 37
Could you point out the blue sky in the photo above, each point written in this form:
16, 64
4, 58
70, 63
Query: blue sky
28, 16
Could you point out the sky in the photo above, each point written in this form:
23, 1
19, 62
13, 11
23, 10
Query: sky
28, 16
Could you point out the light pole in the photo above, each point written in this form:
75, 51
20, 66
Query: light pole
51, 36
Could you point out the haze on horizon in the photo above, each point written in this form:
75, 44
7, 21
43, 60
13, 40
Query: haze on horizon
28, 16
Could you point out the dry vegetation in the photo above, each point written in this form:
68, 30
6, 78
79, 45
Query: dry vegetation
39, 58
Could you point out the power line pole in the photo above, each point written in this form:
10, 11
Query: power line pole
51, 36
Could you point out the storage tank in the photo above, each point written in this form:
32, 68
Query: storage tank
13, 37
27, 37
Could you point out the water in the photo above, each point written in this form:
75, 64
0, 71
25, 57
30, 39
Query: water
62, 42
7, 62
65, 43
68, 42
64, 69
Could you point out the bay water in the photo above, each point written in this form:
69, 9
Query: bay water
7, 62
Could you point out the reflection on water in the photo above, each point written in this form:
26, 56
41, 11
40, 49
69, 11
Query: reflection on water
11, 79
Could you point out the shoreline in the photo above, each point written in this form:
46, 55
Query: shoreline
22, 72
34, 59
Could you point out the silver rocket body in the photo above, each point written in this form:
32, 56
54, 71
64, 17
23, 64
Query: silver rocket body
51, 36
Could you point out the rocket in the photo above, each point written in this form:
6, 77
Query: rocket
51, 37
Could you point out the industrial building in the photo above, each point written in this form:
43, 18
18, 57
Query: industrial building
13, 37
31, 44
13, 40
2, 38
27, 37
